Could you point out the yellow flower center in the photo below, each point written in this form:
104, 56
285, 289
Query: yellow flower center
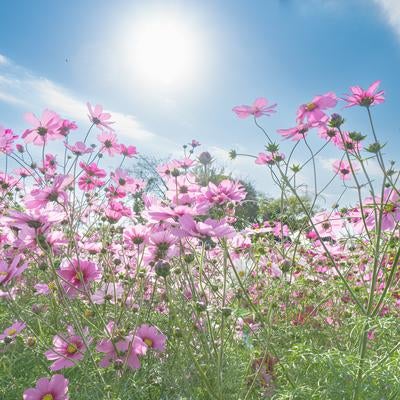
389, 207
149, 342
71, 349
3, 273
48, 396
79, 276
11, 331
311, 106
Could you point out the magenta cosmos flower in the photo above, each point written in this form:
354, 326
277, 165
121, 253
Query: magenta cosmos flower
98, 117
13, 330
54, 389
44, 129
313, 111
67, 350
259, 108
365, 98
77, 275
153, 338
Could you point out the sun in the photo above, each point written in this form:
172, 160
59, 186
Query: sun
166, 50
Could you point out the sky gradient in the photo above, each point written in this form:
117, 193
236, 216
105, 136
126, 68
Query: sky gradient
59, 55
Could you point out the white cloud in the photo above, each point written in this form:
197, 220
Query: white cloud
21, 89
391, 12
4, 60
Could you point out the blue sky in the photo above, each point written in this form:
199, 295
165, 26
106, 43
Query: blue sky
287, 51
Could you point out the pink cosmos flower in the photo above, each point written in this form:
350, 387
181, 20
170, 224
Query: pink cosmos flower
226, 191
115, 210
111, 292
66, 127
49, 167
98, 117
163, 245
7, 139
126, 182
152, 337
344, 142
259, 108
135, 235
109, 143
77, 275
208, 228
343, 169
91, 179
328, 224
39, 198
269, 159
13, 330
11, 268
281, 230
365, 98
44, 129
79, 148
128, 151
42, 289
263, 159
194, 143
389, 205
67, 350
124, 351
54, 389
313, 111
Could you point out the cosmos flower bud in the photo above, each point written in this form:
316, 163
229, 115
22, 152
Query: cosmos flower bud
336, 121
162, 268
205, 158
175, 173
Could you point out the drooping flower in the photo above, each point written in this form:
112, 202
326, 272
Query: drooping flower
77, 275
55, 388
98, 117
67, 349
313, 112
365, 98
44, 129
79, 148
269, 159
259, 108
297, 133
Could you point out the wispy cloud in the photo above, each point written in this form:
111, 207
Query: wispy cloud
22, 89
391, 12
4, 60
